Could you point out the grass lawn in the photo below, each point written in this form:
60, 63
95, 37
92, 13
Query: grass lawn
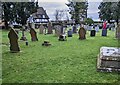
71, 61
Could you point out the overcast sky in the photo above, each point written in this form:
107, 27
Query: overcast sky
52, 5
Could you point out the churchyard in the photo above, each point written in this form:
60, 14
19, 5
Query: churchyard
70, 61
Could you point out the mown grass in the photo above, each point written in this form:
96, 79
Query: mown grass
71, 61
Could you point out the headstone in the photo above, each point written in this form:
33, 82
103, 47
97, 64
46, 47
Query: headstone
41, 29
82, 33
118, 31
46, 43
62, 37
58, 30
104, 32
50, 28
74, 29
33, 35
92, 33
97, 28
109, 59
70, 33
13, 37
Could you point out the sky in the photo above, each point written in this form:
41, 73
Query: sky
52, 5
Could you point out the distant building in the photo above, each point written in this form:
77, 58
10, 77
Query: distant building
40, 16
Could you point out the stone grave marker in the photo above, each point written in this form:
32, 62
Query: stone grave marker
118, 31
69, 33
82, 33
62, 37
92, 33
104, 32
57, 30
50, 28
97, 28
33, 35
41, 29
74, 29
13, 38
109, 59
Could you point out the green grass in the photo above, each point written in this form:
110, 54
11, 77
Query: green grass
71, 61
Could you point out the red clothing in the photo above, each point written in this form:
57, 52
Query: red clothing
104, 25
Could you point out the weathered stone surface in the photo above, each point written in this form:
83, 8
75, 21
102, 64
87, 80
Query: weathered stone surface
118, 31
33, 35
50, 28
82, 33
41, 29
13, 37
57, 30
62, 37
109, 59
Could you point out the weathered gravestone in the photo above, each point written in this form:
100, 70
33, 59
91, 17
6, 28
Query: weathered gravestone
13, 38
82, 33
46, 43
109, 59
50, 28
97, 28
62, 37
41, 29
104, 32
92, 33
70, 33
118, 31
74, 29
33, 35
57, 30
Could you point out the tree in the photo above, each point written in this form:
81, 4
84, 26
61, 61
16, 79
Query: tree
89, 21
78, 10
18, 11
109, 11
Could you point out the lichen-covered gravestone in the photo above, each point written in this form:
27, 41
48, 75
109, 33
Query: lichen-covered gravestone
82, 33
58, 30
33, 35
118, 31
50, 28
41, 29
109, 59
13, 38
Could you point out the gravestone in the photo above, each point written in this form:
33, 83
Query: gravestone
41, 29
62, 37
46, 43
118, 31
74, 29
70, 33
50, 28
97, 28
13, 38
92, 33
104, 32
109, 59
58, 30
33, 35
82, 33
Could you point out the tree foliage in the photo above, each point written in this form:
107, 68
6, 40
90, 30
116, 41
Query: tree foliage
78, 10
109, 11
18, 11
88, 21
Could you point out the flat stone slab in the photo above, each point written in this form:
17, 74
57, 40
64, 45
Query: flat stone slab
109, 59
